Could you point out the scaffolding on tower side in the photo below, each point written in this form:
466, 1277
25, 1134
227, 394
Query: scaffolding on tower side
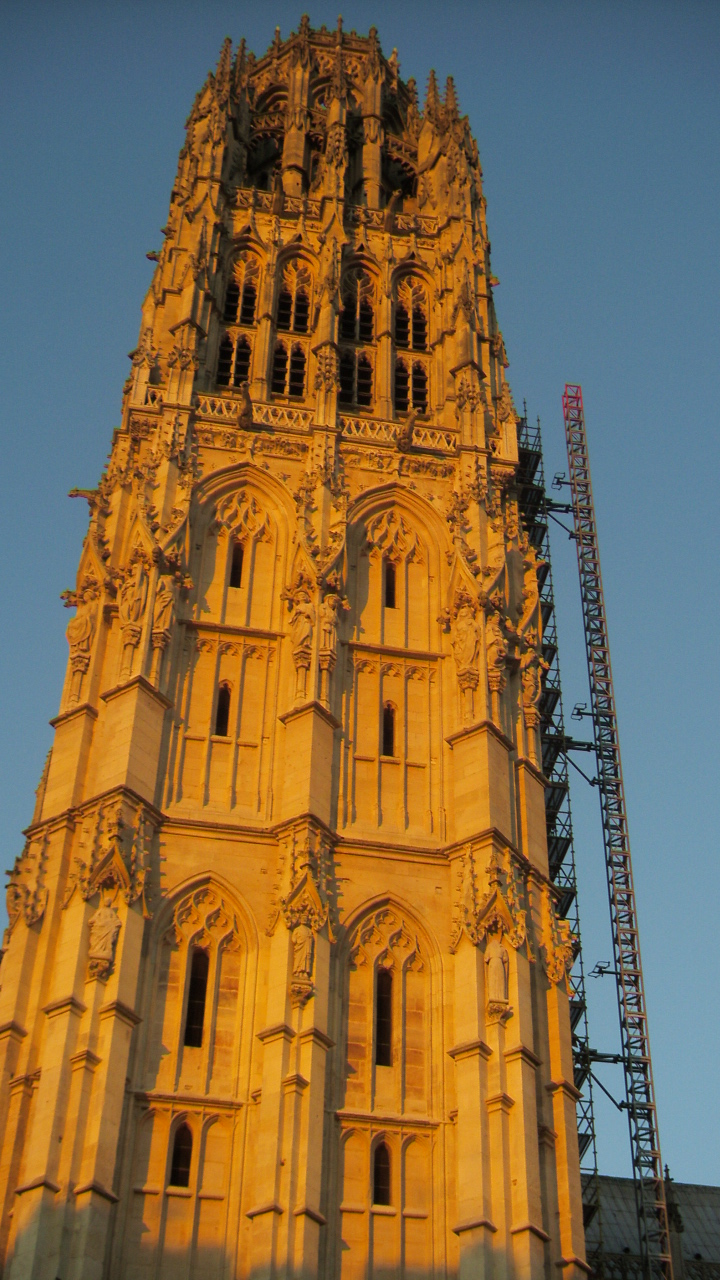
533, 504
648, 1182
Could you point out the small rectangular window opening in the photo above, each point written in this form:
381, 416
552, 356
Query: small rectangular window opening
222, 715
388, 730
181, 1158
390, 582
196, 999
383, 1018
381, 1175
236, 566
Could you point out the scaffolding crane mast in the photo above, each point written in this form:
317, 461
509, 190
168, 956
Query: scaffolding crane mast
635, 1044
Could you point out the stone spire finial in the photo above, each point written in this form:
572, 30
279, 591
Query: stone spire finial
432, 99
240, 66
224, 67
451, 102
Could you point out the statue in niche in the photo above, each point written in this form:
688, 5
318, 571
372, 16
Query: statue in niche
465, 639
303, 947
163, 606
302, 621
131, 610
80, 631
104, 929
497, 969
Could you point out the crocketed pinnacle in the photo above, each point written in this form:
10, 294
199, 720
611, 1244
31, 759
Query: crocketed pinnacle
432, 99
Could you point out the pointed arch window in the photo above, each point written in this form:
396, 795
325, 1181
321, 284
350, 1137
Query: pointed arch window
381, 1175
296, 385
181, 1157
222, 712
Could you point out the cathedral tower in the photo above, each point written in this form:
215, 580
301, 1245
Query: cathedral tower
284, 991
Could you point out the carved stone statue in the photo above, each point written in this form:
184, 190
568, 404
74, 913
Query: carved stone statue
303, 947
80, 632
104, 929
497, 968
132, 603
302, 621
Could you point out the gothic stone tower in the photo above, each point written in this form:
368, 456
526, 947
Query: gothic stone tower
284, 990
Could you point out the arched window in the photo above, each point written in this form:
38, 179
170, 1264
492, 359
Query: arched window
236, 565
297, 372
388, 730
197, 993
242, 362
241, 293
225, 360
383, 1018
181, 1157
389, 584
402, 387
279, 369
222, 715
381, 1175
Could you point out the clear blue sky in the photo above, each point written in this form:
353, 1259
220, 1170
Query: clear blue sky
598, 127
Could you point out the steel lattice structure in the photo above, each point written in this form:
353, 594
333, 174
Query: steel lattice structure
640, 1093
561, 853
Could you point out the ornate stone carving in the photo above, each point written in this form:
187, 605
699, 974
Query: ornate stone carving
389, 534
307, 906
387, 941
26, 893
558, 941
114, 856
498, 909
332, 605
243, 516
204, 918
462, 621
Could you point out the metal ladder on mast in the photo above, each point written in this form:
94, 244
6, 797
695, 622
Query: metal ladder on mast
648, 1181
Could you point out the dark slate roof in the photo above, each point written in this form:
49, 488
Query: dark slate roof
699, 1210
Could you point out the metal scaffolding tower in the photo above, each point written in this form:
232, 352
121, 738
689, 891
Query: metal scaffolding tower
635, 1044
534, 505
